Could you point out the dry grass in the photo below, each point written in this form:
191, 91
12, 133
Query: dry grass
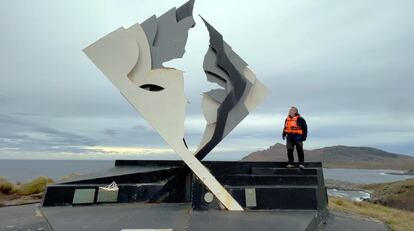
398, 220
398, 194
34, 186
25, 193
6, 187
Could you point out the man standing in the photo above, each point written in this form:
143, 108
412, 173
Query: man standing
295, 132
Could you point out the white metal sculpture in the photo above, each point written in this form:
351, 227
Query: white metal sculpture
132, 60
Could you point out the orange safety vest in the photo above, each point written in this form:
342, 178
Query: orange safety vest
291, 126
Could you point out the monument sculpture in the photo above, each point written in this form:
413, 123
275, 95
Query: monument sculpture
133, 60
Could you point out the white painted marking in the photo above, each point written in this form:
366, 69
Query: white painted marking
208, 197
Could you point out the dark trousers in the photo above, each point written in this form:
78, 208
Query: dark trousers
290, 145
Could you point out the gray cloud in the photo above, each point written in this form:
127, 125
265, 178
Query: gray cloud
64, 138
24, 135
2, 99
330, 59
111, 132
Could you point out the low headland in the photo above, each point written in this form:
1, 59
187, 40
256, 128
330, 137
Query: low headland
341, 156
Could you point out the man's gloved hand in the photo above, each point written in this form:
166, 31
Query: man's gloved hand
303, 139
283, 136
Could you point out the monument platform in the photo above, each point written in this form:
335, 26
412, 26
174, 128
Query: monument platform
269, 193
255, 185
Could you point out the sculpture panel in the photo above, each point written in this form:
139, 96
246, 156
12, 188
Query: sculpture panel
132, 59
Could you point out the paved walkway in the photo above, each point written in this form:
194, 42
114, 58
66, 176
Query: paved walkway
168, 216
22, 218
345, 222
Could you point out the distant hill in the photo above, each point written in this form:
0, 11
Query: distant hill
340, 157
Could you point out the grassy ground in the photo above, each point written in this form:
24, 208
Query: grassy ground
397, 219
398, 194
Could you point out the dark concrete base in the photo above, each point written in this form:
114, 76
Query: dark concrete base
273, 186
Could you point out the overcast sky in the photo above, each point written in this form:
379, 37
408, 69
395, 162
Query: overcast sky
347, 66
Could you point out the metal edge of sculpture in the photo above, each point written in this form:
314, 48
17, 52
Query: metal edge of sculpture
132, 59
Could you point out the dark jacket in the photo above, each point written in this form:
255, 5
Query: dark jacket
298, 137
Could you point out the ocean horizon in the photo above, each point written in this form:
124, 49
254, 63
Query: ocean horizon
25, 170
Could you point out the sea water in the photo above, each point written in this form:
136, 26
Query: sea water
24, 170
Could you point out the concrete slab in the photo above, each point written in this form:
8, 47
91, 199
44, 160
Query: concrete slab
169, 216
117, 171
22, 218
252, 220
344, 222
118, 217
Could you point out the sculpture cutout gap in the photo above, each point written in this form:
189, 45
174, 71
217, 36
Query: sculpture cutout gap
151, 87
